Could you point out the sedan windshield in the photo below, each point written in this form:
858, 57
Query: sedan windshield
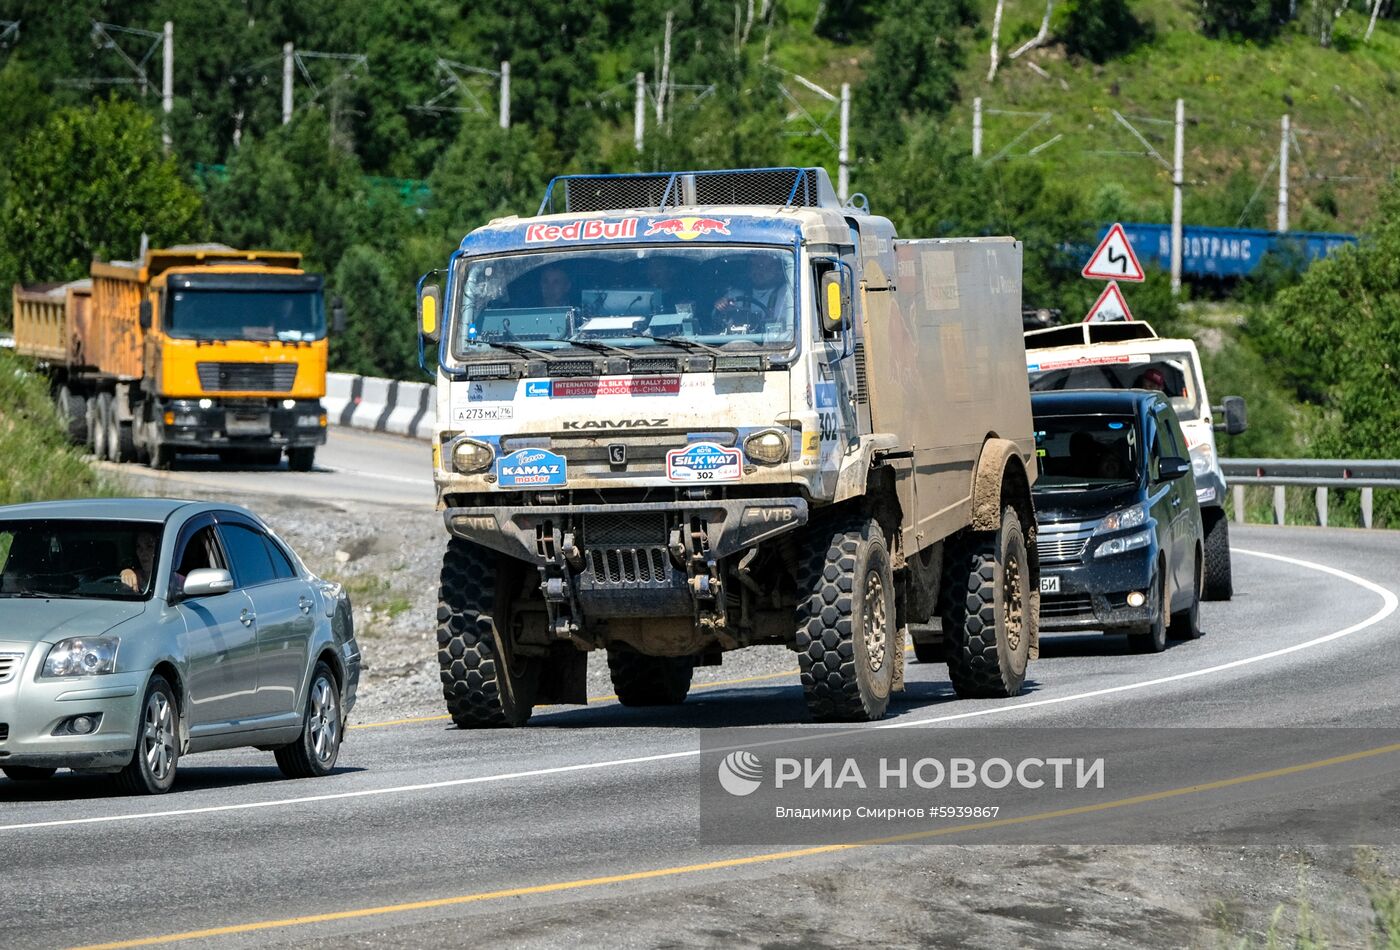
1169, 373
1077, 452
102, 560
291, 317
696, 297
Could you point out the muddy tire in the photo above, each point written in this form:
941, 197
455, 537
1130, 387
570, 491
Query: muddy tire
1153, 637
641, 680
846, 635
1219, 583
1186, 624
482, 684
988, 618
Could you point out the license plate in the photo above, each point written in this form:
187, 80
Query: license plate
248, 423
1050, 585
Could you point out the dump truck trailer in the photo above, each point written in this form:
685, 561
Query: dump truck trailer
200, 349
681, 414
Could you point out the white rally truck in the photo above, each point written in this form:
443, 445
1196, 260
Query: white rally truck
679, 414
1130, 355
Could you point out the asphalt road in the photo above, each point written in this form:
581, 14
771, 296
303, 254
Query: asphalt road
584, 828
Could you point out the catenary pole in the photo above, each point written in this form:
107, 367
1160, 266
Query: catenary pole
843, 178
1283, 178
1178, 156
288, 58
977, 127
167, 89
639, 112
505, 94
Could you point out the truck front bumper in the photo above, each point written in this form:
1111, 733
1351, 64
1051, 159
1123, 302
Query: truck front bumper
243, 423
1093, 593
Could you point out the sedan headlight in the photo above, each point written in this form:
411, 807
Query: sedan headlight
470, 456
82, 656
1122, 520
768, 447
1124, 544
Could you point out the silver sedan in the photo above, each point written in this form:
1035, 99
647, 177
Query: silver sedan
136, 631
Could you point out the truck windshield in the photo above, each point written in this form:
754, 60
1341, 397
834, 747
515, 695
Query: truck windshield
291, 317
735, 298
1170, 373
1078, 452
102, 560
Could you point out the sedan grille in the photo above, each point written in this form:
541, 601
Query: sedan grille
247, 377
9, 666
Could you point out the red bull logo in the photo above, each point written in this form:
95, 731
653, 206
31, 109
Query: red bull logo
687, 229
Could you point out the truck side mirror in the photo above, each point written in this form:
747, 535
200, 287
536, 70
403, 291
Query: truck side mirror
834, 304
337, 316
144, 314
1236, 420
430, 312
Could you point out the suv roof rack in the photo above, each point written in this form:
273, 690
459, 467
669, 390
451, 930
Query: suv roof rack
1081, 334
657, 191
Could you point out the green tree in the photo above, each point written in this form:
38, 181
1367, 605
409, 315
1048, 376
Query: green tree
1257, 20
86, 184
379, 338
1098, 30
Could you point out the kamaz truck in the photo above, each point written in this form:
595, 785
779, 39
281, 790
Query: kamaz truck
679, 414
196, 349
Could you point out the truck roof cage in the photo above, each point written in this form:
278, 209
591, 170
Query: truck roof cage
657, 191
1081, 334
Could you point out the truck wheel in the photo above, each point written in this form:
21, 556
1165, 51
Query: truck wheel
846, 637
988, 621
73, 411
1219, 584
1153, 638
101, 410
161, 456
642, 680
301, 459
481, 682
1186, 624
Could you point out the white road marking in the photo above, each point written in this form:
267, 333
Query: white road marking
1389, 604
404, 479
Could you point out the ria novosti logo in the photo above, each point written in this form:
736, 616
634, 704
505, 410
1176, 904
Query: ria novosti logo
740, 773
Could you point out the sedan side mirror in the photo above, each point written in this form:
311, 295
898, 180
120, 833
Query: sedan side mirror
207, 581
1235, 420
1173, 467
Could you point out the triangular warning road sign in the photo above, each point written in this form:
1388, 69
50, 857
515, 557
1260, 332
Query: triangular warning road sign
1114, 260
1110, 306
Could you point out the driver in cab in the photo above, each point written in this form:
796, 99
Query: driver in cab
767, 296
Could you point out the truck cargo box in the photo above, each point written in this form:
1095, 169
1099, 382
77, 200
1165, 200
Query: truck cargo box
52, 320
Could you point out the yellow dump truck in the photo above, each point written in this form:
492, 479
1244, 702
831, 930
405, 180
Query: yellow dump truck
201, 349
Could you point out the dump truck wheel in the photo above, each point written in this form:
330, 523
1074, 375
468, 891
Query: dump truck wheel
641, 680
1219, 583
161, 456
301, 459
101, 411
987, 622
482, 683
93, 419
846, 634
73, 411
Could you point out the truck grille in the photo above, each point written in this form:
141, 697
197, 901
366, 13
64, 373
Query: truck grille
624, 529
615, 566
247, 377
1059, 543
646, 454
9, 666
1065, 605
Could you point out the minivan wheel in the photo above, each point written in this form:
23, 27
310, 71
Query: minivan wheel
27, 773
151, 770
322, 729
1153, 639
1186, 624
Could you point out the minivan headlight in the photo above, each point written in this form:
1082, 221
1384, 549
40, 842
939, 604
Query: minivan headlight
1122, 520
768, 447
1124, 544
82, 656
470, 456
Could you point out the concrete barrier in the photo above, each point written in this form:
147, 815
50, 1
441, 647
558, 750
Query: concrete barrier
381, 405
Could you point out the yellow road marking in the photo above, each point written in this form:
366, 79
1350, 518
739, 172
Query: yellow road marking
597, 699
749, 860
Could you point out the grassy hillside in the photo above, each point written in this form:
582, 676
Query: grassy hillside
1341, 101
36, 463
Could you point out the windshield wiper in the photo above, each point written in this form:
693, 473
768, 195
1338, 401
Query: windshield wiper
690, 346
36, 594
519, 349
598, 347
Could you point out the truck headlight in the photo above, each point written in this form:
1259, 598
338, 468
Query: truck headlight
309, 420
1124, 544
768, 447
1202, 460
82, 656
470, 456
1122, 520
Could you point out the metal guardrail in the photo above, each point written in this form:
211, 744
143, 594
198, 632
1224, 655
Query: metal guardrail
1322, 475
